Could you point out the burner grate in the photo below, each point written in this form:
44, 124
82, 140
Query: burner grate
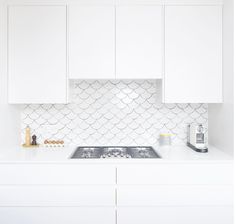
124, 152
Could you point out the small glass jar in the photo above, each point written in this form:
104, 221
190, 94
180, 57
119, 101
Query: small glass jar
165, 139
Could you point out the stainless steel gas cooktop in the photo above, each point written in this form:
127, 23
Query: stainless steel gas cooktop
113, 152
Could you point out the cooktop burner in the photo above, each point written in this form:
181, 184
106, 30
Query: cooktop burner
124, 152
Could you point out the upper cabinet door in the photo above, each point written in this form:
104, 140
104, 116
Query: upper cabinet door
139, 51
91, 42
193, 54
37, 54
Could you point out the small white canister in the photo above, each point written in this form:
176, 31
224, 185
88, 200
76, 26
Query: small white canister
165, 139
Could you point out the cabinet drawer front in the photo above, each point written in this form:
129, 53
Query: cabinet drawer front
178, 195
176, 174
176, 215
57, 196
59, 215
56, 174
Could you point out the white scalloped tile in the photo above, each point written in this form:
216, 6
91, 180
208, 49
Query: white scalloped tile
72, 125
115, 120
121, 125
115, 130
118, 112
78, 131
134, 115
130, 92
139, 101
97, 135
140, 120
134, 125
84, 96
134, 104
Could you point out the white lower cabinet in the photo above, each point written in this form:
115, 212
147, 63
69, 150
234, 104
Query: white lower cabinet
164, 193
176, 173
57, 215
175, 195
176, 215
56, 174
57, 195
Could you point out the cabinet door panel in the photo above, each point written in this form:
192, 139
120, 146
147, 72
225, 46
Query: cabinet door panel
57, 215
91, 42
175, 195
193, 54
176, 174
57, 195
176, 215
37, 54
56, 174
139, 42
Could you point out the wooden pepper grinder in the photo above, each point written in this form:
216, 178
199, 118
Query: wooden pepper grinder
34, 140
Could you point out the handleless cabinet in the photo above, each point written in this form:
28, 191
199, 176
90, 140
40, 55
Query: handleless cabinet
161, 192
193, 54
175, 215
37, 45
174, 193
91, 42
56, 174
46, 193
139, 32
58, 215
181, 44
57, 195
180, 174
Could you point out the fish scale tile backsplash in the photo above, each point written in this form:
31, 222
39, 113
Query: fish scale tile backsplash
113, 112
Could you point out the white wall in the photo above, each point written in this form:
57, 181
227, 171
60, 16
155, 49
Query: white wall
9, 115
221, 125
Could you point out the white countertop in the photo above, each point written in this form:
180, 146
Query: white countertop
62, 155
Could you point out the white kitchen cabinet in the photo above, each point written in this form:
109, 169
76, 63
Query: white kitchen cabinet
91, 42
56, 215
57, 195
37, 71
193, 54
139, 41
176, 215
45, 174
161, 192
183, 174
175, 195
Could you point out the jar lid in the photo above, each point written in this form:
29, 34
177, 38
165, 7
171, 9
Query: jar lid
165, 134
